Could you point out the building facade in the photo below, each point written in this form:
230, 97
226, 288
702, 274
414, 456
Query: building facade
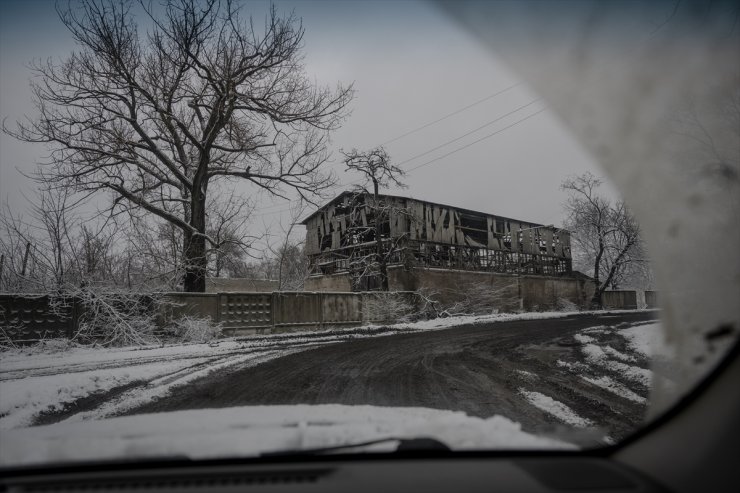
341, 239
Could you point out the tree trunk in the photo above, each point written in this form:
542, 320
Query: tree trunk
25, 259
596, 302
379, 241
195, 249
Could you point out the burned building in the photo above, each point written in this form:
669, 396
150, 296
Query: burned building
341, 242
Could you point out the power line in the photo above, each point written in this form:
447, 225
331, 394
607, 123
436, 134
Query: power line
487, 124
466, 145
451, 114
263, 211
475, 141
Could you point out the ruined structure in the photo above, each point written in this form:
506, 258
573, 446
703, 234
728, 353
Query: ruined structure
419, 235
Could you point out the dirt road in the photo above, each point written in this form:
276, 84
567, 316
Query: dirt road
479, 369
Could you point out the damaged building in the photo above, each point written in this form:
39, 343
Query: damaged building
425, 244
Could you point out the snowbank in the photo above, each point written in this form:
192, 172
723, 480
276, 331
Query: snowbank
555, 408
648, 340
251, 430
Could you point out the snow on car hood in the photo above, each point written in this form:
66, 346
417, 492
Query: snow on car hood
252, 430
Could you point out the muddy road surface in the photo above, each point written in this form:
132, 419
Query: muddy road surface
483, 370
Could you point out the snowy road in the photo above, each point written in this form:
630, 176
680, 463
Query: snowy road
579, 371
533, 380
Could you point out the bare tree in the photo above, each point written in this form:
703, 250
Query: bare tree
226, 220
292, 264
16, 242
41, 251
159, 119
605, 235
376, 168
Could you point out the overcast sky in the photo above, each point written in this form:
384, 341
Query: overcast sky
411, 66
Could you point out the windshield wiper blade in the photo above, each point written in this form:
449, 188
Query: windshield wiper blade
405, 446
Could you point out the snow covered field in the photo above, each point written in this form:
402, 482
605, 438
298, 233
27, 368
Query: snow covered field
35, 385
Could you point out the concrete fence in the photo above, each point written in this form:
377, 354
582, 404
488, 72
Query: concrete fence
25, 319
28, 318
619, 299
651, 299
254, 313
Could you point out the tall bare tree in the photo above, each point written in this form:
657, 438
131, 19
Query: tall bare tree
604, 234
158, 118
376, 168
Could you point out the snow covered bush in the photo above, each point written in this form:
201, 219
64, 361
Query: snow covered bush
194, 329
6, 341
478, 298
387, 307
565, 305
48, 346
110, 318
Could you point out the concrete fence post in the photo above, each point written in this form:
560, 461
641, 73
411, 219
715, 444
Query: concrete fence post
321, 309
273, 304
272, 310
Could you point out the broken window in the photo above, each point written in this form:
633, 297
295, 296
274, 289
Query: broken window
474, 228
541, 243
324, 241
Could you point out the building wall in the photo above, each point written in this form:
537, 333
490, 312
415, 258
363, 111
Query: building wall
450, 286
335, 282
426, 221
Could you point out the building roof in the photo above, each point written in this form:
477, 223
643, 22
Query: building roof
462, 209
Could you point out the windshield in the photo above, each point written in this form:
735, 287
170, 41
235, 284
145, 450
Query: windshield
241, 229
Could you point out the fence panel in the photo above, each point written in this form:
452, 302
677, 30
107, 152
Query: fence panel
341, 309
296, 309
651, 299
26, 319
245, 311
619, 299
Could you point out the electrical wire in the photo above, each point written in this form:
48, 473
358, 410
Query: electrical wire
476, 141
487, 124
426, 125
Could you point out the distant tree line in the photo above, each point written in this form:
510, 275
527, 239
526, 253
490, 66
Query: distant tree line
57, 247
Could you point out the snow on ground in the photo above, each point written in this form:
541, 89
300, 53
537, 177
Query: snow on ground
25, 398
447, 322
604, 365
618, 354
555, 408
583, 339
597, 356
163, 385
251, 430
34, 381
615, 388
31, 385
648, 340
527, 375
